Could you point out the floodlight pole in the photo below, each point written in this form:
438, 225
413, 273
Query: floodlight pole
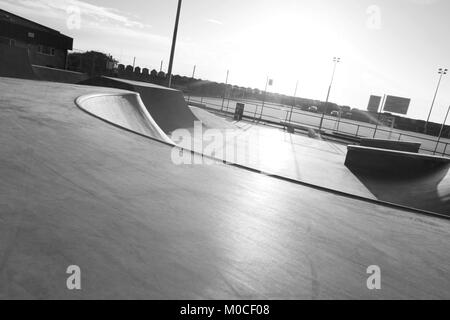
336, 60
225, 91
339, 119
174, 42
293, 104
193, 77
379, 110
264, 99
441, 73
442, 129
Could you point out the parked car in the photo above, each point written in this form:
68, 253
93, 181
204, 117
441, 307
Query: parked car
335, 113
312, 109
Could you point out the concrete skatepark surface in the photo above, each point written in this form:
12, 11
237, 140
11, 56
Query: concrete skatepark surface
276, 152
322, 163
76, 190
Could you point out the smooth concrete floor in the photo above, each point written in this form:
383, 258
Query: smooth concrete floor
278, 152
320, 163
77, 191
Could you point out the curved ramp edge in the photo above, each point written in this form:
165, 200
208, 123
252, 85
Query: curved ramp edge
166, 106
124, 110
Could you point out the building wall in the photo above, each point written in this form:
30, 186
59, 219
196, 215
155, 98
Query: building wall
55, 60
58, 60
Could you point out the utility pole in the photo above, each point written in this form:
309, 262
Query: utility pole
161, 67
174, 42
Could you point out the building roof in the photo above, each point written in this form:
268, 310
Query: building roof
17, 27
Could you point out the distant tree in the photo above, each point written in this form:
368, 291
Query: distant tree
92, 62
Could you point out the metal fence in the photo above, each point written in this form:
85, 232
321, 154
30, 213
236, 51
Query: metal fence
282, 115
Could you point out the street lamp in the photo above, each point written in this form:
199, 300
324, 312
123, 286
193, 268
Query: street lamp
336, 60
174, 42
441, 73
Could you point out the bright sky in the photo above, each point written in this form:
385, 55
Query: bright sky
386, 46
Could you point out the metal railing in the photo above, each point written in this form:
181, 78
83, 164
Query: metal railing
280, 115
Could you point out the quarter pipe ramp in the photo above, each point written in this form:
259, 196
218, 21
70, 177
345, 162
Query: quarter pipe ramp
123, 110
166, 106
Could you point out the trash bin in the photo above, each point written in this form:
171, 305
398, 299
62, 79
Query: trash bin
239, 112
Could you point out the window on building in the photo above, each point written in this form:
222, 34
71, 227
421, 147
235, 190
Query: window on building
46, 50
6, 41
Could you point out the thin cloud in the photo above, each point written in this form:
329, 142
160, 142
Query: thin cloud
214, 21
58, 8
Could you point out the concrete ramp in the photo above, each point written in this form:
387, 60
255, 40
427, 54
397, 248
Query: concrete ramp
58, 75
125, 111
166, 106
15, 63
410, 179
405, 146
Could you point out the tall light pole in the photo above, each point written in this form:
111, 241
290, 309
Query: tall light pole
193, 77
379, 111
174, 42
441, 73
225, 91
440, 133
268, 81
336, 60
293, 103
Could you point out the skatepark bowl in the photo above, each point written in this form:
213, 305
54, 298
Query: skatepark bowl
88, 180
